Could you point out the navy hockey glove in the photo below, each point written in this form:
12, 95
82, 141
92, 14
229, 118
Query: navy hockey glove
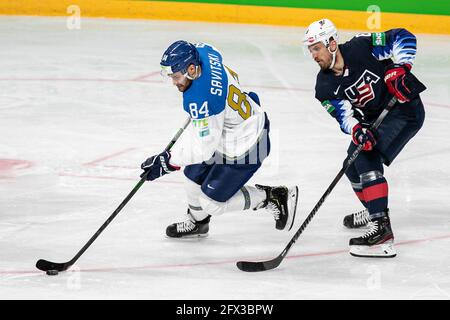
395, 76
363, 136
157, 166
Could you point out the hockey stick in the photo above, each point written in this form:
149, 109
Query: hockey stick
250, 266
45, 265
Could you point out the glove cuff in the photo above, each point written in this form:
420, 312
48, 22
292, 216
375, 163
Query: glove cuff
355, 128
407, 66
171, 166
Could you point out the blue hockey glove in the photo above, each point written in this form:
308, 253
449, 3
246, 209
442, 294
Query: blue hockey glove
157, 166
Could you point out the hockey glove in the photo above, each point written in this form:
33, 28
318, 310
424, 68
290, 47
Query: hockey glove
364, 137
394, 76
157, 166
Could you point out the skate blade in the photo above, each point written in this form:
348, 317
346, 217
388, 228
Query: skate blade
384, 250
189, 237
363, 227
292, 204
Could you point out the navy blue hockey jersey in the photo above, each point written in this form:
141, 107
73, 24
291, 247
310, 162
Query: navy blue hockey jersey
360, 92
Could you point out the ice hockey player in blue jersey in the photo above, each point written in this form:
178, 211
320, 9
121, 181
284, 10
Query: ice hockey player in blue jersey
225, 145
355, 82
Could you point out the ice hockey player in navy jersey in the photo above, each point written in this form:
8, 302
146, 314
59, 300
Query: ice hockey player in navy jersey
225, 145
355, 82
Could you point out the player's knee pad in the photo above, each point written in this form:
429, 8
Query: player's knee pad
211, 206
370, 176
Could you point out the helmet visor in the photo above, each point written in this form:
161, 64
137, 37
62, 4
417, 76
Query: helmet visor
178, 79
309, 48
166, 71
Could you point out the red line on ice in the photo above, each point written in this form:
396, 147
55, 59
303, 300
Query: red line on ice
120, 167
189, 265
14, 164
94, 162
65, 174
144, 77
79, 79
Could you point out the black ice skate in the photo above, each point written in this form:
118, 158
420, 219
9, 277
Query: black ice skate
378, 241
357, 220
189, 228
282, 203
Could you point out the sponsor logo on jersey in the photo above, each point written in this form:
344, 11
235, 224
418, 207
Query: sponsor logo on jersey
337, 90
202, 125
361, 91
204, 133
379, 39
328, 106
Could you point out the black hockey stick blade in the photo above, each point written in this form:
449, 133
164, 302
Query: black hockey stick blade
249, 266
45, 265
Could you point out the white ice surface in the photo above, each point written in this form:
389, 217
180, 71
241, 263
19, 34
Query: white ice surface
81, 109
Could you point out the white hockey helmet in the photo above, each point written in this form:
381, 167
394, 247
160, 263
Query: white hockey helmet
320, 31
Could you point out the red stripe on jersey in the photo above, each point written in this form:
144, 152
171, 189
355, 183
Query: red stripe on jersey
376, 192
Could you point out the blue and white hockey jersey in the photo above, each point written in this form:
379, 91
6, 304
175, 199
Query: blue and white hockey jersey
225, 120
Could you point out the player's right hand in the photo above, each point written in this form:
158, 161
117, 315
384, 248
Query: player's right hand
156, 166
364, 137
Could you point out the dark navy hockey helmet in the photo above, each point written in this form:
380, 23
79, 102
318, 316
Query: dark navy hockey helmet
178, 57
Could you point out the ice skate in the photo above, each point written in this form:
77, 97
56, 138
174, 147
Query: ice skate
282, 203
378, 241
357, 220
189, 228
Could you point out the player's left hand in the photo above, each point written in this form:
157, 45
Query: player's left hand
157, 166
394, 76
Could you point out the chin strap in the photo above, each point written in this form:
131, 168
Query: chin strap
333, 62
197, 74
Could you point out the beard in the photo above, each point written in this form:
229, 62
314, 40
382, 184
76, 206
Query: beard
324, 65
185, 86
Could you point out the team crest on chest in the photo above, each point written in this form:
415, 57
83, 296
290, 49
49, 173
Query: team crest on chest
361, 91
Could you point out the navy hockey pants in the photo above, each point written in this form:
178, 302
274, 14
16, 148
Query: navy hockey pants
220, 180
